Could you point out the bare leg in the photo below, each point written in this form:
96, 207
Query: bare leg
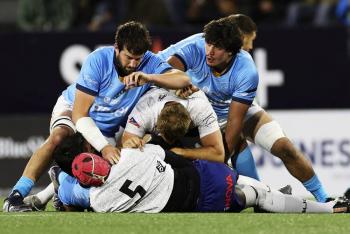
295, 162
42, 158
269, 135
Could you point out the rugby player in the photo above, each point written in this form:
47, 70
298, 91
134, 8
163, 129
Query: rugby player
155, 181
160, 111
98, 104
229, 78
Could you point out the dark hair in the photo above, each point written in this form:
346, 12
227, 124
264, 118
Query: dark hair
67, 150
244, 22
173, 121
223, 34
134, 37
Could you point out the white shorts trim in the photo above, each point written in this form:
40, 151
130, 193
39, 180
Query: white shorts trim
252, 110
57, 117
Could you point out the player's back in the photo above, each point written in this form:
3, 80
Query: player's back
140, 182
145, 114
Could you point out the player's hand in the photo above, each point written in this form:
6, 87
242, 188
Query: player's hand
136, 142
136, 79
111, 154
187, 91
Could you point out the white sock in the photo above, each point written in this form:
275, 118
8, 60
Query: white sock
46, 194
260, 194
278, 202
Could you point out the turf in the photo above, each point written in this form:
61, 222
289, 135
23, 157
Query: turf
51, 222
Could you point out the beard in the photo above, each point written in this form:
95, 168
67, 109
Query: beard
123, 71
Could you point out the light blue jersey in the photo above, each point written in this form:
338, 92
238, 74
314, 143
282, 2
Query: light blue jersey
99, 77
239, 83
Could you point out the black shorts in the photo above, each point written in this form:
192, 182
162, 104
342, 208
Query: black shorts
186, 188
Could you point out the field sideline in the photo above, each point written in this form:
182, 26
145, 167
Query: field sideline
58, 222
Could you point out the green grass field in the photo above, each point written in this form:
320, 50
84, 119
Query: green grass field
51, 222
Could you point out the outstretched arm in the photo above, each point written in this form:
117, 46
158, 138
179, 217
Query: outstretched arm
172, 79
212, 149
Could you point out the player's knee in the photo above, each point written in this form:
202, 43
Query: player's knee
284, 149
56, 137
268, 135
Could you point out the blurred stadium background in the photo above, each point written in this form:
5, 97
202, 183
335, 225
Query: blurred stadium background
302, 52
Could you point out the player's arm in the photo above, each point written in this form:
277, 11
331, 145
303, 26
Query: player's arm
212, 149
130, 140
159, 73
172, 79
87, 127
234, 125
128, 135
176, 62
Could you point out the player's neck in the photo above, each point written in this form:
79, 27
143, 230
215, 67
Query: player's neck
220, 69
118, 66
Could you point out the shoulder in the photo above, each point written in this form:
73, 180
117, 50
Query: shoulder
245, 60
153, 63
101, 56
102, 52
149, 101
244, 66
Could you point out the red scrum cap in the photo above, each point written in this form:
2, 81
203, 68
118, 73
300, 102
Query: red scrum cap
90, 169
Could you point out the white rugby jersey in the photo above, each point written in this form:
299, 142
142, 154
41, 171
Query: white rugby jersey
143, 118
139, 182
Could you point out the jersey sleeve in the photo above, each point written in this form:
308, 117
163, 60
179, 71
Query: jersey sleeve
156, 65
204, 117
189, 55
71, 193
90, 77
136, 124
245, 89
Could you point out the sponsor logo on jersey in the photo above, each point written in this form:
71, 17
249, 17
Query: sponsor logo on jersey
133, 122
161, 97
160, 167
207, 121
228, 193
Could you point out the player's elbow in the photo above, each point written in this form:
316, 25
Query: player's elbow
219, 154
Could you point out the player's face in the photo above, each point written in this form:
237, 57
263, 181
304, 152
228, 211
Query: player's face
248, 40
128, 61
216, 57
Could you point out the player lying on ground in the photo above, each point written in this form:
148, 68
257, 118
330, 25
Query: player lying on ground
162, 112
152, 180
229, 78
